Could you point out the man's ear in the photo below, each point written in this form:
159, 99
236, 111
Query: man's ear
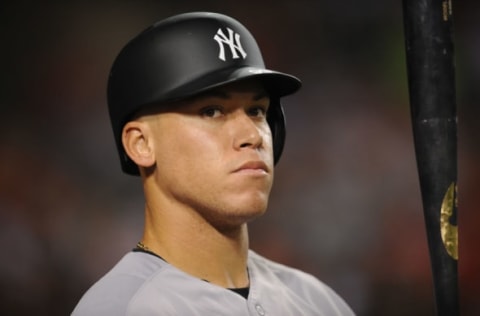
138, 144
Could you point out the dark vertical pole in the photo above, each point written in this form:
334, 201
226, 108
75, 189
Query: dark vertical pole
428, 28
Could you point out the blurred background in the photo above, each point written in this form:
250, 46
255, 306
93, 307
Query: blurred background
346, 203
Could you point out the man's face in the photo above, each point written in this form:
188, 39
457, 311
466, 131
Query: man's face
214, 153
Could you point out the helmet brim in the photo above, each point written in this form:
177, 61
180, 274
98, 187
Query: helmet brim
277, 84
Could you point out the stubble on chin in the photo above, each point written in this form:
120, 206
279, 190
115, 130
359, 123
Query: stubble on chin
228, 218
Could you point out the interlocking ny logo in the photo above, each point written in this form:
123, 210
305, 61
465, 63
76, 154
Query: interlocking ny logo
233, 41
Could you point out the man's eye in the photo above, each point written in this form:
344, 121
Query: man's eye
258, 111
211, 112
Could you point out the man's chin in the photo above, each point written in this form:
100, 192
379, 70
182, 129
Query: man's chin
235, 219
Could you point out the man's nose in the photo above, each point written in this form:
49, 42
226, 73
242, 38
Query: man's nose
247, 133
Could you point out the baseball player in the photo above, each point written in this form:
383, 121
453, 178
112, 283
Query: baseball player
197, 116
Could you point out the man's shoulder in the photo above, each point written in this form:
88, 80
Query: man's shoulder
112, 293
285, 273
298, 283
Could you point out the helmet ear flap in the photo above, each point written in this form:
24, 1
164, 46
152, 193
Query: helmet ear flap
276, 121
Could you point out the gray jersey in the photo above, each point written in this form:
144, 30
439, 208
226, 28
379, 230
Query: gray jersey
142, 284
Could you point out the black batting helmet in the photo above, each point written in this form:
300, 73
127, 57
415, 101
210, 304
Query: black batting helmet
185, 55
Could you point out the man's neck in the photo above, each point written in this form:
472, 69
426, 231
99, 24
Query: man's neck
194, 246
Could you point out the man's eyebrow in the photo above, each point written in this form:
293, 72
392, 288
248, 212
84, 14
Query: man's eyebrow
261, 95
225, 95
